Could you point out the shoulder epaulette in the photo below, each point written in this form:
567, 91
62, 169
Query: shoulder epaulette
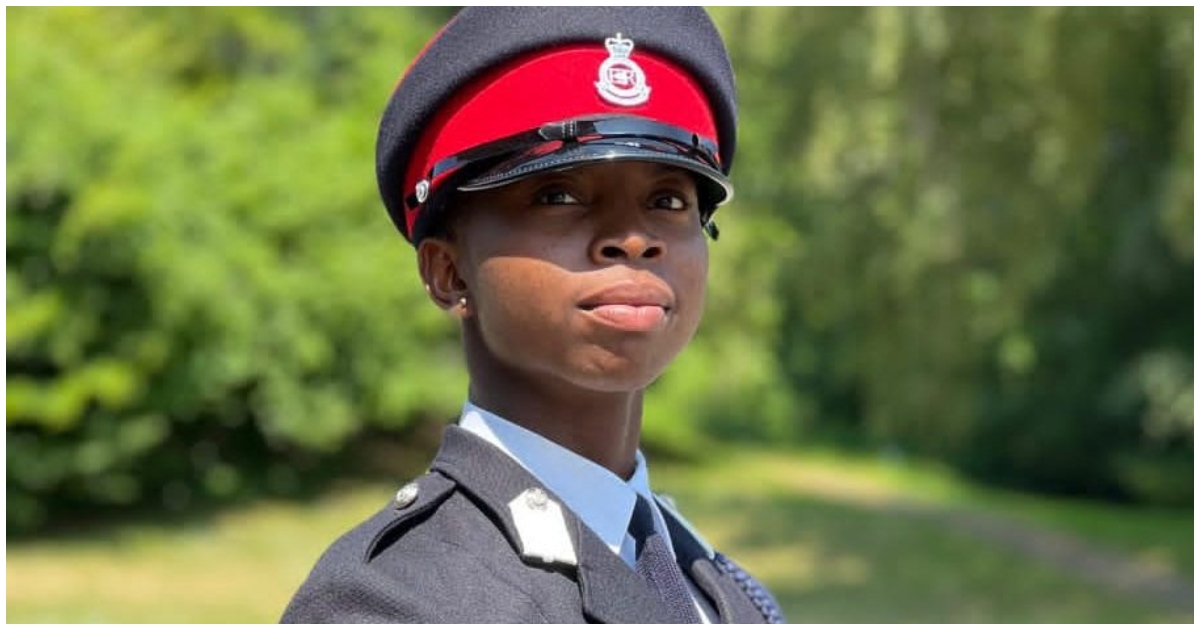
413, 501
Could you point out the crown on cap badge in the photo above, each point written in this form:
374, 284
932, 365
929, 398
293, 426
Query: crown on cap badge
621, 80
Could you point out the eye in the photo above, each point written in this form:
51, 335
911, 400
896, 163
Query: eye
555, 197
671, 201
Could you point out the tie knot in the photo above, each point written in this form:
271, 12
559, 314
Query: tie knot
641, 525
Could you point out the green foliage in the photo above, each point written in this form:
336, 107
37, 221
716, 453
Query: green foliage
965, 232
990, 213
196, 256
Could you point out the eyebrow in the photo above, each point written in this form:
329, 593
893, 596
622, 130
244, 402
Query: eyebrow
667, 169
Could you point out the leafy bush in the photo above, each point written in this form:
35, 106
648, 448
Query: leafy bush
199, 272
961, 232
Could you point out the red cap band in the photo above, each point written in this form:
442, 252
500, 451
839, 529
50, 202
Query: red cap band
551, 86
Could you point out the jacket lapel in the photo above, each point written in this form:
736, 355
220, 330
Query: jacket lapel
609, 590
730, 601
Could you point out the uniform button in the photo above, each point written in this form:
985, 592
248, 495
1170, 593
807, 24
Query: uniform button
536, 498
406, 495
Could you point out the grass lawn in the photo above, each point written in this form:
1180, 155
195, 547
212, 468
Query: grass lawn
1162, 536
817, 528
822, 531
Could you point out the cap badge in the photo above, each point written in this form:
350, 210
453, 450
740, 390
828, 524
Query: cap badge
622, 81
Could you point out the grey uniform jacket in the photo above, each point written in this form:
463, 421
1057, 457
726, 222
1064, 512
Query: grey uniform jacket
455, 554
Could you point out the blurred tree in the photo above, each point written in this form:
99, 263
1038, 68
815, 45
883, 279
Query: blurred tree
990, 210
199, 274
966, 232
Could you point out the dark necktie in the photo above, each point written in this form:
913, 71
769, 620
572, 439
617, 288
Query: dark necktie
656, 564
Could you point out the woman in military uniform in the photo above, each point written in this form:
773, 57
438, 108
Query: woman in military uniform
557, 170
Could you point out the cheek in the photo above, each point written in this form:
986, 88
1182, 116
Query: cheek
514, 283
692, 280
517, 299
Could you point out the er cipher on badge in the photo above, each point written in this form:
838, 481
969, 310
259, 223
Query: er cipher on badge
621, 80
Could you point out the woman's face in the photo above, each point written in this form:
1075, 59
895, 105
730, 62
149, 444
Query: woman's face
595, 275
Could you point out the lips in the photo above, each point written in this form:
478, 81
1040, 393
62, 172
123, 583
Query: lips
636, 306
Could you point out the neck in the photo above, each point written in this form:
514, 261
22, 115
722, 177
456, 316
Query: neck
604, 427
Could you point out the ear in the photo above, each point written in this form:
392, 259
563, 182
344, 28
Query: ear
438, 260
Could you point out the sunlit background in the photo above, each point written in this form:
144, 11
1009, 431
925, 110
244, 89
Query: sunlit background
946, 372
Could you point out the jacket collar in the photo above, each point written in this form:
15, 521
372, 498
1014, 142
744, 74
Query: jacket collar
610, 591
729, 599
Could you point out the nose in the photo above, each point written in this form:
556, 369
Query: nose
627, 243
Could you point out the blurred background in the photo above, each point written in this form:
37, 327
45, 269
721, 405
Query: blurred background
946, 372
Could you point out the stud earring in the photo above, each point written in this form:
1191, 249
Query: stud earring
462, 302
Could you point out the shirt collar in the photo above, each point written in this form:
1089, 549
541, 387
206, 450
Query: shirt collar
602, 500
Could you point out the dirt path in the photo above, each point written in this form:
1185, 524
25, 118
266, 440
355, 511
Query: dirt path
1119, 572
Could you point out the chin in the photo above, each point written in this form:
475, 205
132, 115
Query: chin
610, 385
619, 373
